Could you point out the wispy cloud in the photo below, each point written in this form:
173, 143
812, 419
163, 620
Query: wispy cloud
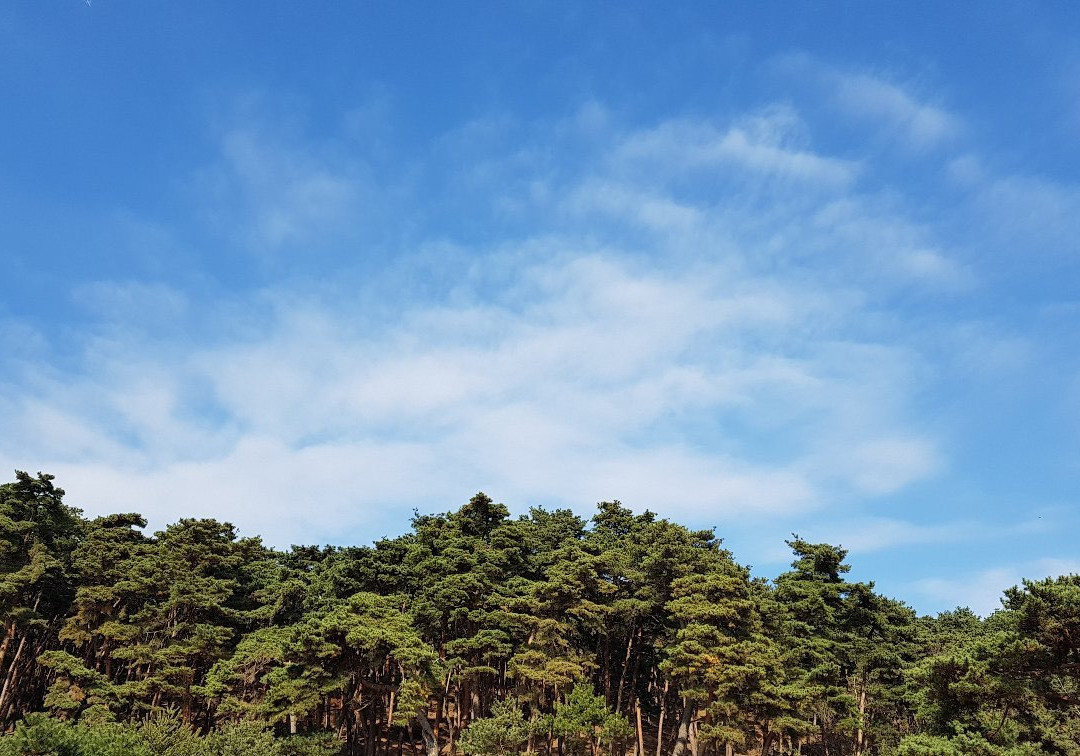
982, 591
918, 124
1040, 214
276, 189
899, 112
770, 143
695, 316
574, 394
862, 533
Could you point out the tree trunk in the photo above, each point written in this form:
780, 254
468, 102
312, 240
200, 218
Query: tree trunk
531, 744
7, 691
431, 741
9, 633
640, 733
859, 734
607, 670
372, 729
682, 737
634, 673
11, 689
475, 704
622, 675
660, 726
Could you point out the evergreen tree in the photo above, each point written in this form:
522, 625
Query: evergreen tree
38, 533
813, 597
487, 634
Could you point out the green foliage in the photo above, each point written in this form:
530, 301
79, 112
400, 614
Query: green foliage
583, 717
545, 629
1014, 681
166, 734
78, 689
242, 738
720, 656
42, 736
322, 744
815, 600
504, 733
965, 744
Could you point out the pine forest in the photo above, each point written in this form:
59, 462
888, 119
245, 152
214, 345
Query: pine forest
481, 633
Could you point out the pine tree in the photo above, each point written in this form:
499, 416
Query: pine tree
38, 533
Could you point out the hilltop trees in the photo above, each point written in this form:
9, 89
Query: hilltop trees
1011, 683
482, 633
38, 533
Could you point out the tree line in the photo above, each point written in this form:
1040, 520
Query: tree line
481, 633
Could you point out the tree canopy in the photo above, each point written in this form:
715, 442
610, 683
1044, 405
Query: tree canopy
482, 633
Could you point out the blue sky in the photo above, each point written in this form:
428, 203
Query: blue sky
767, 267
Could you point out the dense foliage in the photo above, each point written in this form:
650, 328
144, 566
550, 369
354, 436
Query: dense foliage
480, 633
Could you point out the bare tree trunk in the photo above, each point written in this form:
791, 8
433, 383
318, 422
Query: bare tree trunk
660, 726
372, 728
622, 675
859, 733
531, 744
431, 741
7, 691
13, 671
607, 670
640, 733
9, 633
682, 736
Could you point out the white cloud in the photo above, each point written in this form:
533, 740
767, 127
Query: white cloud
881, 247
982, 591
1038, 215
864, 534
1024, 225
274, 189
885, 465
647, 209
553, 400
132, 301
931, 265
897, 112
726, 364
918, 124
765, 144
